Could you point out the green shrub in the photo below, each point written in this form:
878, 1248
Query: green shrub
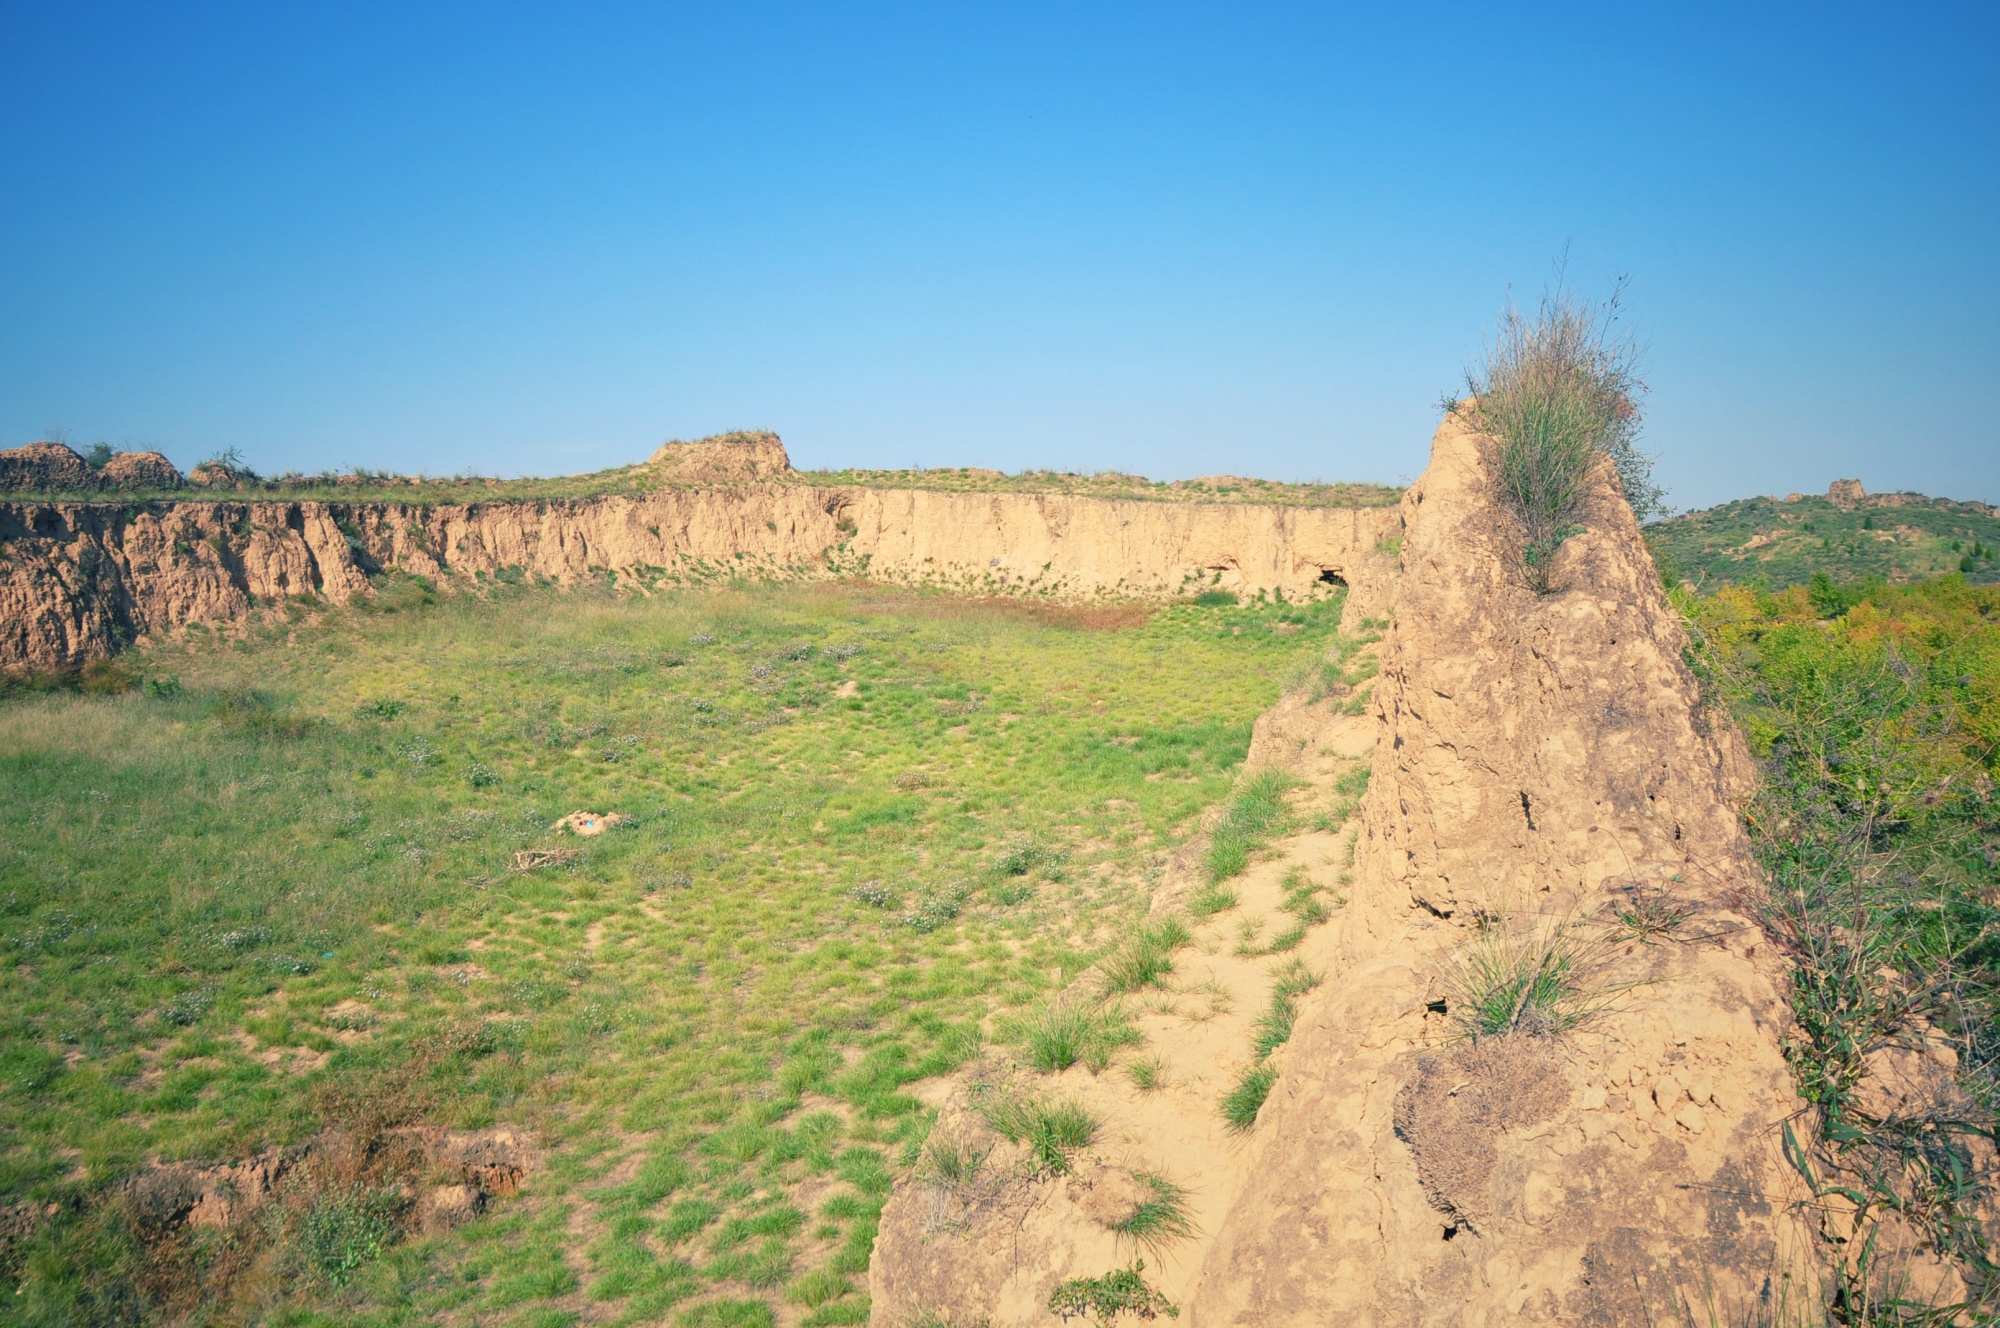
1121, 1291
1149, 1073
339, 1230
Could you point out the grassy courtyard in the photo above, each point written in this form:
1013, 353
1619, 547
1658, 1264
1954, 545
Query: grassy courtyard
301, 887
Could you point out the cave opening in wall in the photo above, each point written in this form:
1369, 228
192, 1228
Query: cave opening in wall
1333, 578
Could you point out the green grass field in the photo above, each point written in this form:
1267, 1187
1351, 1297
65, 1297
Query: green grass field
271, 896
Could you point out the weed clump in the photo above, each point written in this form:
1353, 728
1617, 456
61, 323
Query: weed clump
874, 894
934, 908
1026, 854
340, 1230
1558, 388
1212, 899
186, 1009
1272, 1030
949, 1163
1274, 1025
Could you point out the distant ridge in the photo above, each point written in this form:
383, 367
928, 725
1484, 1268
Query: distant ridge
1847, 533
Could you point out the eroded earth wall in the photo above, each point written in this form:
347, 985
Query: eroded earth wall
1542, 763
81, 580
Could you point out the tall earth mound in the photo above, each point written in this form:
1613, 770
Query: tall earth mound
139, 470
729, 456
55, 468
44, 468
1550, 801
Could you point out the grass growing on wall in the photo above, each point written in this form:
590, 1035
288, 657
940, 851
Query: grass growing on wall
273, 892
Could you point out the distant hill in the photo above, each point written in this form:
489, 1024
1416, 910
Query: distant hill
1846, 533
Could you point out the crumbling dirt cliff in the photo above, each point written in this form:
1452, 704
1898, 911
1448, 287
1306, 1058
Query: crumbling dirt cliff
80, 580
1549, 799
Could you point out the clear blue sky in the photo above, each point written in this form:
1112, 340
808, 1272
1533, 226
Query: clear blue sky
1172, 239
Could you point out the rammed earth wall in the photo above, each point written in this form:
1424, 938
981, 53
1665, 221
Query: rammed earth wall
81, 580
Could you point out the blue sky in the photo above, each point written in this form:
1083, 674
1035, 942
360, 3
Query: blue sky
1171, 239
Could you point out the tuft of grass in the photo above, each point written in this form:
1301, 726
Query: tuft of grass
1055, 1130
1543, 979
1255, 815
1065, 1031
727, 1314
1147, 959
1247, 931
1160, 1219
1272, 1029
1242, 1103
1274, 1026
1310, 908
818, 1287
948, 1163
1646, 915
1149, 1073
1026, 853
1212, 899
1288, 939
